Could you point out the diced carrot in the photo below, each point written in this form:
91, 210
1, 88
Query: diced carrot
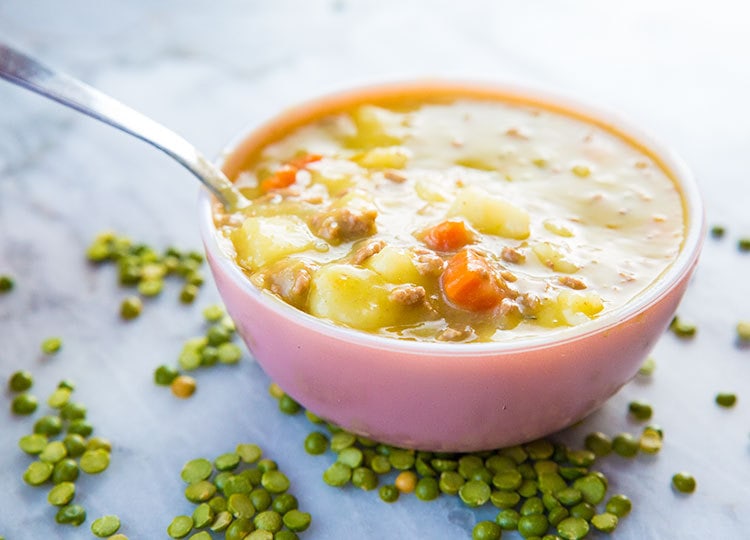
470, 282
286, 175
283, 177
447, 235
300, 162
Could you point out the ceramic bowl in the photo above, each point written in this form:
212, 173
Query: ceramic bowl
450, 396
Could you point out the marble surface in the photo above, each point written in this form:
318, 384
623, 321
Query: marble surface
209, 69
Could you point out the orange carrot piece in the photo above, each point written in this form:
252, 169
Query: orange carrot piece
469, 282
283, 177
300, 162
448, 235
286, 175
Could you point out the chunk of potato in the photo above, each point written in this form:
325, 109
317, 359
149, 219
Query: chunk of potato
559, 228
568, 309
395, 265
587, 303
491, 214
554, 257
391, 157
355, 199
479, 163
337, 175
356, 297
374, 126
263, 240
428, 191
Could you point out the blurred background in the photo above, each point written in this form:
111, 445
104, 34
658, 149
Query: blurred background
209, 69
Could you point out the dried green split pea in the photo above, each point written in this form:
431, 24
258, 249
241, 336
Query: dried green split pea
684, 482
51, 345
6, 284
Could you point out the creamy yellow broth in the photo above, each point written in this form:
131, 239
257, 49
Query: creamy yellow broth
563, 220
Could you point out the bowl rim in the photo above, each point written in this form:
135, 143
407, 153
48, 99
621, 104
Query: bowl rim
561, 103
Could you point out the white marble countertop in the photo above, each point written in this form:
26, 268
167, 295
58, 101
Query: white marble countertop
208, 69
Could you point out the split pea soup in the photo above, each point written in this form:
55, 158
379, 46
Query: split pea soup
457, 218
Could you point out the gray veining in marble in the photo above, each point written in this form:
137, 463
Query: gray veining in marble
679, 69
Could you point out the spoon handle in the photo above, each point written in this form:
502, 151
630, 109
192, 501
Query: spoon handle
24, 71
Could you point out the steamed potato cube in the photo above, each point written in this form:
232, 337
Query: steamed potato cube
479, 163
558, 228
581, 170
547, 313
588, 303
554, 257
356, 297
568, 309
577, 308
491, 214
263, 240
429, 192
356, 198
336, 175
374, 126
395, 265
391, 157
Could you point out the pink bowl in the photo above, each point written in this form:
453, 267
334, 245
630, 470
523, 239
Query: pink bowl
443, 396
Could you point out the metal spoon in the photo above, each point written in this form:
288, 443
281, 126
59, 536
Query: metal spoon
24, 71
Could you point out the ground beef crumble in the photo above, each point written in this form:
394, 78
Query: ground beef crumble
512, 255
408, 295
368, 250
342, 224
427, 262
571, 282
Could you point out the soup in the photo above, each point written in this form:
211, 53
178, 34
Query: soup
454, 218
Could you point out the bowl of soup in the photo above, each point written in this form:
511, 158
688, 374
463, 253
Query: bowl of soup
452, 266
